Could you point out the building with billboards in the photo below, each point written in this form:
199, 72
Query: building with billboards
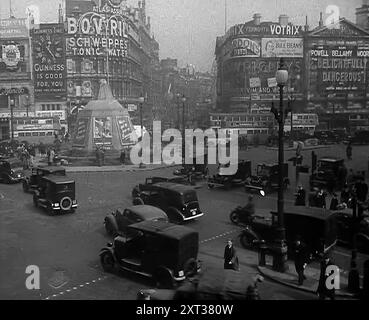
108, 39
248, 57
16, 87
336, 59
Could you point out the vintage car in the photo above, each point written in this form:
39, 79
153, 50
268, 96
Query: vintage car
56, 194
152, 180
11, 170
266, 178
315, 226
226, 180
116, 222
345, 227
360, 137
326, 137
160, 250
198, 169
330, 174
30, 182
179, 202
212, 283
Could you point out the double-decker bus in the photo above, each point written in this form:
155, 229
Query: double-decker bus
36, 129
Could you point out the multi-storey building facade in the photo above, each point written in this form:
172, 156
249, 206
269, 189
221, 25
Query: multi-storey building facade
16, 86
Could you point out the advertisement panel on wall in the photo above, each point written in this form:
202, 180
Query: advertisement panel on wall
49, 61
337, 68
12, 55
102, 131
237, 75
282, 47
13, 28
126, 130
82, 131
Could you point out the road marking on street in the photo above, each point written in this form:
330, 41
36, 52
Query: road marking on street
219, 235
76, 288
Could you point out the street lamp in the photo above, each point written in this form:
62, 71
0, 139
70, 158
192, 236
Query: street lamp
11, 103
280, 252
141, 100
183, 125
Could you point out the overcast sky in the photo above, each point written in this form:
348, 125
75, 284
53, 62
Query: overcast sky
187, 29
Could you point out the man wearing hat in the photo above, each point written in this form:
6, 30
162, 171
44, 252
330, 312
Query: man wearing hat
334, 202
324, 292
300, 196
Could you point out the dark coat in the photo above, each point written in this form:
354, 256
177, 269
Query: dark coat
322, 288
334, 204
320, 201
300, 198
300, 256
230, 256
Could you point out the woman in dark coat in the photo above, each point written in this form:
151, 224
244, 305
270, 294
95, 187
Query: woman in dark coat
230, 257
323, 291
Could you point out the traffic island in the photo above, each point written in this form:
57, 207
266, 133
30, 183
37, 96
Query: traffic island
312, 273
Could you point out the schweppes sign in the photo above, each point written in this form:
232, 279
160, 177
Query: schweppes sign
244, 47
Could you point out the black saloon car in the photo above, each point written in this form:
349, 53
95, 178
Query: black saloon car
179, 202
56, 194
163, 251
31, 182
117, 222
11, 170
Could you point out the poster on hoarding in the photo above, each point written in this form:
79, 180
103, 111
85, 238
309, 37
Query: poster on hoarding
102, 130
282, 47
82, 131
49, 60
11, 55
126, 131
13, 28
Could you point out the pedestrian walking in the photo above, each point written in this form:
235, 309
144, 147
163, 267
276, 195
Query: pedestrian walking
334, 203
345, 195
230, 257
361, 190
51, 156
300, 196
349, 151
323, 291
320, 200
300, 258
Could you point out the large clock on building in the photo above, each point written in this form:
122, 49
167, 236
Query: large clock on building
48, 48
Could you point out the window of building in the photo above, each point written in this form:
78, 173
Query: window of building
250, 131
35, 134
21, 134
49, 133
42, 134
28, 134
49, 122
48, 107
34, 122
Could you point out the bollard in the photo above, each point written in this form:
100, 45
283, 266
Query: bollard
262, 253
366, 280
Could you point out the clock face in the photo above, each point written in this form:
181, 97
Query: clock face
48, 49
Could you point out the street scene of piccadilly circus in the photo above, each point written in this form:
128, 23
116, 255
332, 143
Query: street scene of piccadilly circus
128, 176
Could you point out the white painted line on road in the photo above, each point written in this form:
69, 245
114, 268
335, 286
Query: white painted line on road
76, 288
219, 235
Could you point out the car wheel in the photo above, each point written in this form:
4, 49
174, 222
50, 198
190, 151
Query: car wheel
190, 268
234, 217
164, 279
247, 240
107, 261
25, 186
137, 201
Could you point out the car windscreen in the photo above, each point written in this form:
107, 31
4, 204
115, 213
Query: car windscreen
189, 196
65, 187
16, 165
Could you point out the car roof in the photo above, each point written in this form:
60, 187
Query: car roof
180, 188
58, 179
147, 212
166, 229
318, 213
50, 168
330, 159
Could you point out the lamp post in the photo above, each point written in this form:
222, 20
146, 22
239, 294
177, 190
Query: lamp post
178, 96
280, 252
141, 101
11, 103
183, 125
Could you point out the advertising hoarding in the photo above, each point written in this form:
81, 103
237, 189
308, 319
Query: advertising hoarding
282, 47
49, 61
13, 28
12, 55
126, 131
102, 130
82, 131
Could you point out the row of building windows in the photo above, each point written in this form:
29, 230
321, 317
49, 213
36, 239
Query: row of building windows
35, 134
241, 118
48, 121
49, 107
